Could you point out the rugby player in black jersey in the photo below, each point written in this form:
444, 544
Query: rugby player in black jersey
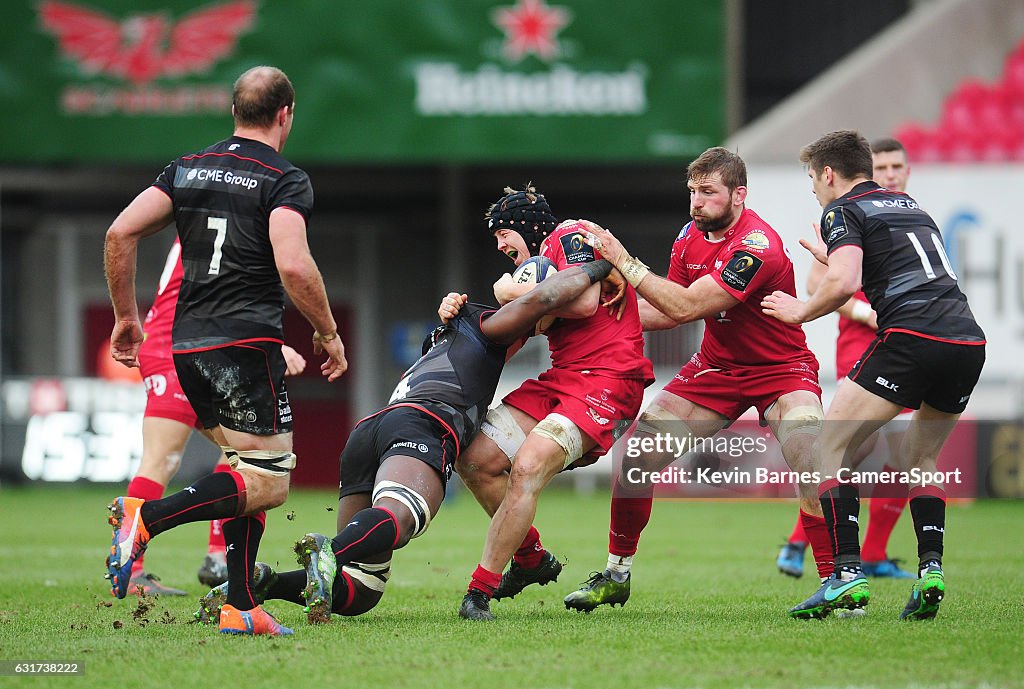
927, 355
241, 211
397, 461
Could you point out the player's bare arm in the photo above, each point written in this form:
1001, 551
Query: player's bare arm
518, 317
584, 305
680, 304
149, 212
860, 311
305, 287
653, 319
840, 282
854, 309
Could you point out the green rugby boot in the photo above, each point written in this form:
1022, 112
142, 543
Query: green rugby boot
926, 595
834, 594
599, 589
315, 552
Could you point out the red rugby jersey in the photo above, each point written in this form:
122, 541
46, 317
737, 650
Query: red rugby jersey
600, 343
852, 341
160, 319
748, 263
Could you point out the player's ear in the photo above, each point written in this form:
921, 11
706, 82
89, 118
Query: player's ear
739, 196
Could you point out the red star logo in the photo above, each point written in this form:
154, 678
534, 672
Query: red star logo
530, 27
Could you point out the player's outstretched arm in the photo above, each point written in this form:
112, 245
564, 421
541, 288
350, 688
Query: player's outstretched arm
679, 304
149, 212
517, 318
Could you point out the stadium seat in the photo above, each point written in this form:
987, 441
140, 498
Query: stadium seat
980, 122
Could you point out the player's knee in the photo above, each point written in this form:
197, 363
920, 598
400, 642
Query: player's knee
561, 431
364, 584
270, 468
410, 509
654, 423
803, 420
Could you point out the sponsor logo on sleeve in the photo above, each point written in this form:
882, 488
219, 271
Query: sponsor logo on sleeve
740, 270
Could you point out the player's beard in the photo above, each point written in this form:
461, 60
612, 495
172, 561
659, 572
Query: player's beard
708, 224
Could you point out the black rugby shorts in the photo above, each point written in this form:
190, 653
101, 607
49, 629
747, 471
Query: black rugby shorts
238, 386
910, 369
403, 430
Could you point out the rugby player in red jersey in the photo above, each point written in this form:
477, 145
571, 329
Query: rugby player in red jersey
722, 264
857, 328
574, 409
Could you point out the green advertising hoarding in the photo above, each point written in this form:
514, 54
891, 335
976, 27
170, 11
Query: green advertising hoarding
389, 81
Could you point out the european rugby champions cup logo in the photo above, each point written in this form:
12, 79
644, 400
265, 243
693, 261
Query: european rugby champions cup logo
532, 32
142, 48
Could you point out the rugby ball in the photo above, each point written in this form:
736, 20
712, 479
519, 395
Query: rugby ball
534, 270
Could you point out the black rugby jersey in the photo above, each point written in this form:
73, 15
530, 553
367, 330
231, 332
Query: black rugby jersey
457, 375
223, 197
906, 275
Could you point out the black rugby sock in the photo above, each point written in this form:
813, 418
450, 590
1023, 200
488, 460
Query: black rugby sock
242, 536
212, 497
288, 586
840, 503
371, 531
928, 507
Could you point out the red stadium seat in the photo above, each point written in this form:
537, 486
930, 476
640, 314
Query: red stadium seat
979, 122
962, 108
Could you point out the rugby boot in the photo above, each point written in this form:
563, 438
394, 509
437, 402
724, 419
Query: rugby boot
209, 605
926, 595
144, 584
129, 542
889, 569
476, 606
599, 589
833, 594
255, 622
214, 570
791, 559
315, 553
518, 577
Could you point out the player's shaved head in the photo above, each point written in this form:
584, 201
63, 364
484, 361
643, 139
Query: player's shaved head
259, 94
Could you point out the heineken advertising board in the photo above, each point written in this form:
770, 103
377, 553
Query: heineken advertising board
384, 81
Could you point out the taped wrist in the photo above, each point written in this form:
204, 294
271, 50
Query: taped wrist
598, 270
633, 269
861, 311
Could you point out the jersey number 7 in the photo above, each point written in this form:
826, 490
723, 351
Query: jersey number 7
220, 225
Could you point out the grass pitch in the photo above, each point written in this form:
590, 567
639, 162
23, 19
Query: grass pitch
708, 608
